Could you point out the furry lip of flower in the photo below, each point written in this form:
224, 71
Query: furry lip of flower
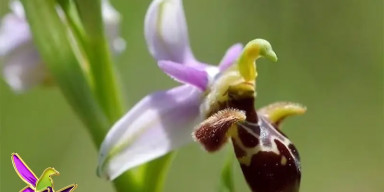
164, 120
23, 67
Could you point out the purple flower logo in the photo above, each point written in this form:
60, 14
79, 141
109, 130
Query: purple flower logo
42, 184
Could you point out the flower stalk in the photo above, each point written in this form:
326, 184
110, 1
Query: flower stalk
94, 95
102, 71
226, 180
54, 44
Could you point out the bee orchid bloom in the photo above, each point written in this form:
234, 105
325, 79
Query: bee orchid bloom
219, 101
164, 120
269, 160
22, 64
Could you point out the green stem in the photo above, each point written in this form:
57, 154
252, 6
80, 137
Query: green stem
126, 183
106, 90
54, 45
74, 22
156, 172
102, 74
53, 42
94, 96
101, 68
226, 178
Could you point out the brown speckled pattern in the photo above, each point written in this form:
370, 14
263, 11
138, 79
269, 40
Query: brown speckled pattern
273, 163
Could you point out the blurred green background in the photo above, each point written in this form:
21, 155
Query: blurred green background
330, 59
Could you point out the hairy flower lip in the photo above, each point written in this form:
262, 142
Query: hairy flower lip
166, 31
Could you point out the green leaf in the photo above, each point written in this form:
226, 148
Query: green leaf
101, 66
151, 175
68, 66
226, 179
73, 19
53, 41
155, 173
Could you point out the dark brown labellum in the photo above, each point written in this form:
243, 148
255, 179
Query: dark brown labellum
271, 166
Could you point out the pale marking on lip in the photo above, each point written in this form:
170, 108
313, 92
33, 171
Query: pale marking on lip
283, 160
250, 151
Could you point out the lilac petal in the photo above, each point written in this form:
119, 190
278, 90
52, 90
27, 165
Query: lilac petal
17, 8
68, 188
166, 31
185, 74
23, 170
27, 189
23, 68
14, 31
230, 56
156, 125
111, 19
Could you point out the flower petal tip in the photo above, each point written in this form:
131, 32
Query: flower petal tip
166, 31
185, 74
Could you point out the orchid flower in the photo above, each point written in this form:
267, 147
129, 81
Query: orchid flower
164, 120
268, 159
23, 67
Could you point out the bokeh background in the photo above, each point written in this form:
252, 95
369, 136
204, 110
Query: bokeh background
330, 59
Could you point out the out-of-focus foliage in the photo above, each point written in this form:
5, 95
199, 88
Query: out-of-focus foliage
330, 59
